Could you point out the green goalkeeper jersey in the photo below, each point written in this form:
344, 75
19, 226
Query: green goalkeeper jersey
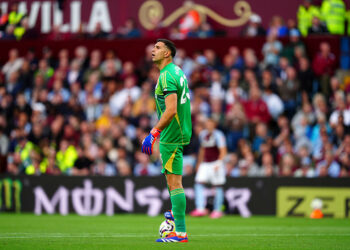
172, 80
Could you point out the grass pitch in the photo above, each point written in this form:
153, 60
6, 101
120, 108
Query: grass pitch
26, 231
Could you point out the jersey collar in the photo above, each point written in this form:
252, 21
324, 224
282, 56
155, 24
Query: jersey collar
168, 65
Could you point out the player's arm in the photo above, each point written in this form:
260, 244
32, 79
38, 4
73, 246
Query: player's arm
222, 146
222, 153
169, 113
166, 118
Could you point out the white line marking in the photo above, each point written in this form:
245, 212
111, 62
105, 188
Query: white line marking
57, 235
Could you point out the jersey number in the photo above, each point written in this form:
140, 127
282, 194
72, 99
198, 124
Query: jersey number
184, 96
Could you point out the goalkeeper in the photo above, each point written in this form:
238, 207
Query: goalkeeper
174, 130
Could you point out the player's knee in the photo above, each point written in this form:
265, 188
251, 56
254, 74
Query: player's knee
175, 185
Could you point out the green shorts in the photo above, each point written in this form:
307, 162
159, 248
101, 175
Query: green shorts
172, 158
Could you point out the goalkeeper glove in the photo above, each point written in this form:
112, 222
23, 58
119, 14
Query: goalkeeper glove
148, 142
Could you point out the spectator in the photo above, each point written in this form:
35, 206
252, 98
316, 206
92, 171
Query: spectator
294, 42
247, 166
111, 57
254, 27
234, 93
235, 123
281, 69
15, 17
24, 31
81, 56
74, 73
159, 30
261, 135
335, 88
288, 90
255, 108
123, 168
213, 61
97, 32
45, 69
251, 62
305, 112
305, 169
333, 13
328, 167
3, 21
292, 25
306, 13
102, 168
238, 62
144, 167
56, 34
13, 64
268, 167
94, 65
273, 102
317, 27
324, 65
306, 79
49, 58
4, 149
129, 30
175, 33
13, 85
319, 104
340, 112
267, 81
130, 93
190, 20
145, 105
231, 164
283, 135
277, 27
271, 50
82, 164
203, 30
287, 165
66, 157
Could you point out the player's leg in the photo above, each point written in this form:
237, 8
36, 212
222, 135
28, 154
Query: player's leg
178, 201
218, 202
199, 188
218, 179
172, 162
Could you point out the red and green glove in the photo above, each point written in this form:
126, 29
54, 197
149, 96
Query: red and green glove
148, 142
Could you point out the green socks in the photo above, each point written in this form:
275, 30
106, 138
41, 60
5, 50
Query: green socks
178, 202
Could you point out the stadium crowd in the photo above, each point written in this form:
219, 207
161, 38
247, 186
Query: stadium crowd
87, 113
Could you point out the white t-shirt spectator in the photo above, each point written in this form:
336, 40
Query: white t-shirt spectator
333, 169
333, 119
274, 104
11, 67
119, 99
216, 91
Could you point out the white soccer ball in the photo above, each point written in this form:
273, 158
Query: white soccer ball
316, 203
166, 228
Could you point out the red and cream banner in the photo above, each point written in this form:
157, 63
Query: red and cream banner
72, 15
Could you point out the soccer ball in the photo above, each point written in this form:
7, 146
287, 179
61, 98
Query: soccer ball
166, 228
316, 203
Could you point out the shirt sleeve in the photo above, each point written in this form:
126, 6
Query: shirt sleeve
201, 136
220, 139
169, 85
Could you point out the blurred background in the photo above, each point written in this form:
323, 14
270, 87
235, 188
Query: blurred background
77, 85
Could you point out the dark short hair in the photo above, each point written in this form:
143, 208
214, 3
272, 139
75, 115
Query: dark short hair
170, 45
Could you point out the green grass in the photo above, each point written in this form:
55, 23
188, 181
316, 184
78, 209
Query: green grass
26, 231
